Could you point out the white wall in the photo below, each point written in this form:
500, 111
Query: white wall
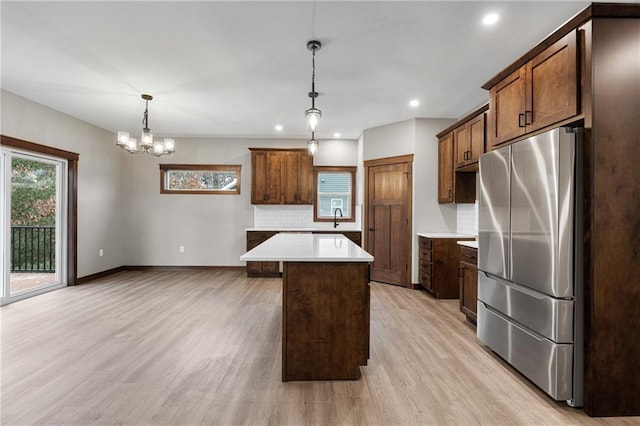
390, 140
336, 152
100, 175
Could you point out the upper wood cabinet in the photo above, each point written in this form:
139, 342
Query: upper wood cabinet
281, 176
445, 168
298, 181
542, 92
459, 147
453, 186
469, 140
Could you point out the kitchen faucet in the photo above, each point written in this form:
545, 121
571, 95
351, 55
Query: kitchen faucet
335, 216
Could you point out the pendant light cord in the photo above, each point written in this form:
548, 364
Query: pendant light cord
145, 117
313, 78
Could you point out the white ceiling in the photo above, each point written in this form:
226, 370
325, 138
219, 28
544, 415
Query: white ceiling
238, 68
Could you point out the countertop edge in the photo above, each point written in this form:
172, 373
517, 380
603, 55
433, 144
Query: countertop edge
335, 230
445, 235
470, 244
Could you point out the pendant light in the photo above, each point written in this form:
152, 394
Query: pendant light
313, 114
312, 144
147, 144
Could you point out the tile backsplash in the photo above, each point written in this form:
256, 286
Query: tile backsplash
467, 218
291, 216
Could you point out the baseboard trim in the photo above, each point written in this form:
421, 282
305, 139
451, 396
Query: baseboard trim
182, 268
92, 277
97, 275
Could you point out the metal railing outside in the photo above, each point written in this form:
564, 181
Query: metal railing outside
33, 248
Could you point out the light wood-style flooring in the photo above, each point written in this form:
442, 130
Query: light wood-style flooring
203, 347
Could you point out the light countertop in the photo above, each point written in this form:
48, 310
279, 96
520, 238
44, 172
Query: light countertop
340, 228
444, 235
472, 244
291, 247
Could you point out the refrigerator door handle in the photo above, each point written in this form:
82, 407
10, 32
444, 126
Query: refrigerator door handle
521, 289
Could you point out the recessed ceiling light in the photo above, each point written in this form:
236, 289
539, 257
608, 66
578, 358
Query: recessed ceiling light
336, 135
278, 127
490, 19
414, 103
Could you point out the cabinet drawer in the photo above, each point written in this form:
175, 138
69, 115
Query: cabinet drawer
425, 243
425, 255
424, 267
469, 255
425, 280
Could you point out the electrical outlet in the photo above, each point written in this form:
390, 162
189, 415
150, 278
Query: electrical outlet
100, 252
181, 249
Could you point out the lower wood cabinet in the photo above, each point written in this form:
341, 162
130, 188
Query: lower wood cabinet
261, 269
272, 269
468, 281
438, 266
325, 320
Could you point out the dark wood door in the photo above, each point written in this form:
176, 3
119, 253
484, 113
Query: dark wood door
461, 143
297, 170
468, 276
552, 89
445, 169
388, 209
290, 165
259, 182
265, 177
476, 138
507, 118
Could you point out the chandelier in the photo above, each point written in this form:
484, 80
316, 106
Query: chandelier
147, 144
313, 114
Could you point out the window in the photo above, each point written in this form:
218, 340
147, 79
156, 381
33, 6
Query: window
334, 194
199, 179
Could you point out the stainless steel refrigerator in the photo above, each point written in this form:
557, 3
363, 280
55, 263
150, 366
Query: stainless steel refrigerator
530, 301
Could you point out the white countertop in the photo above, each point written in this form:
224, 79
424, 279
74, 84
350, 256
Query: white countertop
291, 247
472, 244
314, 229
444, 235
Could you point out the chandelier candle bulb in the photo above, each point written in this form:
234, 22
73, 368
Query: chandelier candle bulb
132, 145
146, 140
169, 145
123, 139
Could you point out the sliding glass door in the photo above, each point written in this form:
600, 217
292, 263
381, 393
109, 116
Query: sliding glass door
33, 223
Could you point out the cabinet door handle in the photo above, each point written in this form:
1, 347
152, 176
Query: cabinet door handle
528, 117
520, 120
450, 193
372, 229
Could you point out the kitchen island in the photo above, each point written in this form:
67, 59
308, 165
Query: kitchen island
325, 304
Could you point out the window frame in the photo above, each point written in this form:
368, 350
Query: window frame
165, 168
316, 198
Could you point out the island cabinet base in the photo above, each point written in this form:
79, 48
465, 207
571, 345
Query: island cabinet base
325, 320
